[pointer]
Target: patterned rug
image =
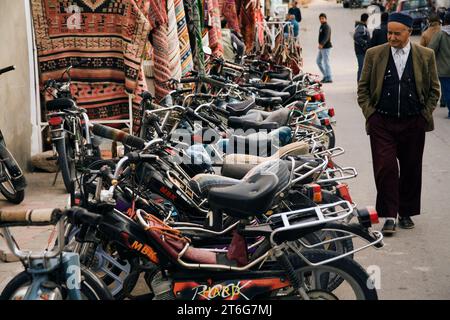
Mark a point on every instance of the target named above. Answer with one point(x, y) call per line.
point(187, 63)
point(107, 38)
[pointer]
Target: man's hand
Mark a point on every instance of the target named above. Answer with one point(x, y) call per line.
point(320, 46)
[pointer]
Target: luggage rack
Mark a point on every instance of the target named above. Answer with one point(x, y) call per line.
point(345, 210)
point(338, 174)
point(296, 176)
point(347, 234)
point(333, 152)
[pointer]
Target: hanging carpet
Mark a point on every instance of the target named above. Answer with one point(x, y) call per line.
point(107, 39)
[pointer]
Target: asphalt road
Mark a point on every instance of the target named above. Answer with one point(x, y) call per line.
point(414, 264)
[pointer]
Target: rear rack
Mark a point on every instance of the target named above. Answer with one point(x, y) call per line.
point(347, 234)
point(321, 216)
point(338, 174)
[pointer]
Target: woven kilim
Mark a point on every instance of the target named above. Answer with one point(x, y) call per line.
point(228, 9)
point(106, 38)
point(248, 22)
point(183, 38)
point(173, 42)
point(215, 31)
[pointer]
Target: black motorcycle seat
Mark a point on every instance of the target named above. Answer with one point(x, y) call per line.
point(280, 74)
point(60, 104)
point(292, 89)
point(268, 101)
point(252, 197)
point(239, 123)
point(202, 183)
point(273, 93)
point(240, 108)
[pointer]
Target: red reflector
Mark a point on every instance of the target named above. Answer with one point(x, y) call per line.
point(331, 112)
point(326, 122)
point(77, 201)
point(317, 97)
point(373, 214)
point(317, 190)
point(55, 121)
point(344, 192)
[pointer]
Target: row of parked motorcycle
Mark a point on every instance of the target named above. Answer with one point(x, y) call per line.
point(228, 188)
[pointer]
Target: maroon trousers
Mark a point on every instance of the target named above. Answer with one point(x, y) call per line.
point(397, 150)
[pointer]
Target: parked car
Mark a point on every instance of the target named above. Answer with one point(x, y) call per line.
point(356, 3)
point(419, 10)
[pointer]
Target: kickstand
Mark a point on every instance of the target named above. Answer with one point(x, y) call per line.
point(56, 177)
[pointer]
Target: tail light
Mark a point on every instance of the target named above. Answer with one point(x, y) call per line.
point(331, 112)
point(314, 192)
point(367, 216)
point(325, 122)
point(344, 192)
point(55, 121)
point(317, 97)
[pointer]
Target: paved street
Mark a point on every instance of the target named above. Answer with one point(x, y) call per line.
point(414, 264)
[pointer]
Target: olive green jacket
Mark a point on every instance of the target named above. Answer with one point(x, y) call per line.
point(371, 82)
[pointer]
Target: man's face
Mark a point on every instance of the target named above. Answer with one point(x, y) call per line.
point(398, 34)
point(323, 20)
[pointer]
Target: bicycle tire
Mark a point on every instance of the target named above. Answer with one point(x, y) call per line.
point(92, 288)
point(66, 166)
point(16, 196)
point(348, 268)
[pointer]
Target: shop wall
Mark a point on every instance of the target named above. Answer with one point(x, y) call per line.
point(15, 114)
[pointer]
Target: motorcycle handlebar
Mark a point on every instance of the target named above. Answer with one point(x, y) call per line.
point(118, 135)
point(7, 69)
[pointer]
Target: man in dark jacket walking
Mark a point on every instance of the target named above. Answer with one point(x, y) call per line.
point(398, 92)
point(361, 38)
point(379, 35)
point(295, 11)
point(440, 43)
point(323, 58)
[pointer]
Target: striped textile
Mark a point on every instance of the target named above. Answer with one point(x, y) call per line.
point(215, 31)
point(187, 63)
point(107, 38)
point(248, 22)
point(228, 9)
point(173, 42)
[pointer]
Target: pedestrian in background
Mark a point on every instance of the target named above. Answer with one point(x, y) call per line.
point(233, 45)
point(323, 58)
point(398, 92)
point(379, 35)
point(361, 39)
point(290, 18)
point(433, 28)
point(441, 46)
point(295, 10)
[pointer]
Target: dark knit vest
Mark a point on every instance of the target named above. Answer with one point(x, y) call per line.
point(399, 96)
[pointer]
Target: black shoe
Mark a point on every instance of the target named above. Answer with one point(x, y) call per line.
point(389, 227)
point(327, 81)
point(405, 223)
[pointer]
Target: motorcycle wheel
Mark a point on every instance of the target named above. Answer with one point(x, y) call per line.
point(66, 162)
point(92, 288)
point(356, 282)
point(7, 189)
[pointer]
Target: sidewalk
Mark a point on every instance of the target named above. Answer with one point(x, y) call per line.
point(39, 194)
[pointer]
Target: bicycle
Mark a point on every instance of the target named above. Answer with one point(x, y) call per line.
point(12, 180)
point(69, 129)
point(55, 274)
